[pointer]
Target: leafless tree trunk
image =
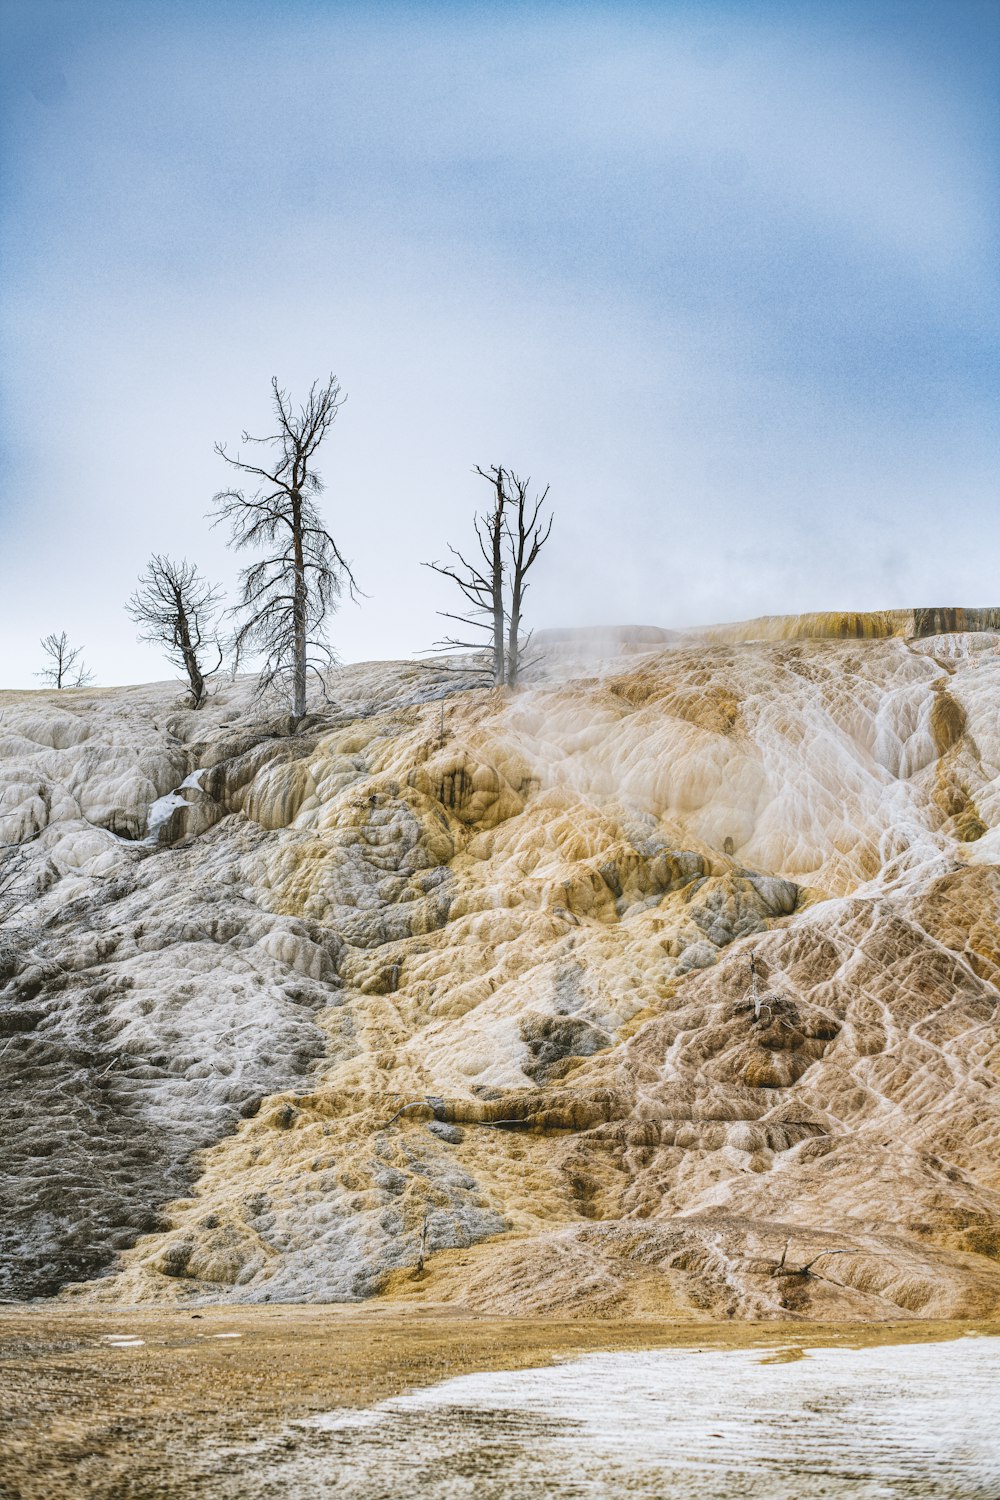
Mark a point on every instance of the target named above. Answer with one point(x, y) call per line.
point(287, 595)
point(174, 606)
point(525, 538)
point(781, 1269)
point(422, 1252)
point(65, 668)
point(482, 583)
point(510, 538)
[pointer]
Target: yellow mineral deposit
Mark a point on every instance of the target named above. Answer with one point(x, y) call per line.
point(473, 986)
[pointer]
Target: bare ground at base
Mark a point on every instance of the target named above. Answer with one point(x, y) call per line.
point(79, 1417)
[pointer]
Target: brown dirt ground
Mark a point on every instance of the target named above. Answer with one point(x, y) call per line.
point(81, 1418)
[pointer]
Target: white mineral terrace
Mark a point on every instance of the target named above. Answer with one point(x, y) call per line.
point(918, 1420)
point(471, 972)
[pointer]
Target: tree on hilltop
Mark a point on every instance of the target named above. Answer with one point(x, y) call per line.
point(287, 595)
point(65, 668)
point(526, 534)
point(510, 535)
point(481, 583)
point(175, 607)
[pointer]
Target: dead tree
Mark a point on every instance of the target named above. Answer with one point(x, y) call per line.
point(422, 1252)
point(805, 1270)
point(526, 536)
point(174, 607)
point(482, 583)
point(287, 595)
point(510, 537)
point(65, 669)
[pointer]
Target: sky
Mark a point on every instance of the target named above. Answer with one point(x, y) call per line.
point(724, 275)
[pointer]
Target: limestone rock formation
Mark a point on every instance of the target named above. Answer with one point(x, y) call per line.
point(465, 977)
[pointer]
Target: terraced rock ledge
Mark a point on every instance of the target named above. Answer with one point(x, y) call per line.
point(447, 997)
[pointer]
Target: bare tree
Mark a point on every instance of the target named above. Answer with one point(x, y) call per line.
point(174, 607)
point(65, 667)
point(510, 537)
point(525, 537)
point(481, 582)
point(287, 594)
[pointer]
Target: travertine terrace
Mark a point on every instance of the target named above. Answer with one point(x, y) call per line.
point(462, 977)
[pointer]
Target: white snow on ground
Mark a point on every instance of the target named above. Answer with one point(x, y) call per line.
point(917, 1420)
point(160, 812)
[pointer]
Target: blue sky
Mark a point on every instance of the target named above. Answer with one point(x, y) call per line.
point(723, 275)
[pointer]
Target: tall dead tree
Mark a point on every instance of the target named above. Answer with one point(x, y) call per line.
point(287, 595)
point(526, 536)
point(510, 536)
point(65, 668)
point(175, 607)
point(482, 583)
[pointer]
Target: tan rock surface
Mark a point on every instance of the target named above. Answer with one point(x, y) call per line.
point(468, 971)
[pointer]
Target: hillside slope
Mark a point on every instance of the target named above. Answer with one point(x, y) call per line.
point(472, 972)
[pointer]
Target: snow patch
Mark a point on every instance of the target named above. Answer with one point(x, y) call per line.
point(905, 1419)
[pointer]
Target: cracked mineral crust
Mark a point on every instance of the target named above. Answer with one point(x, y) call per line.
point(450, 977)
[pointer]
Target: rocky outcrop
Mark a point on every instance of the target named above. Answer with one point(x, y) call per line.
point(464, 977)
